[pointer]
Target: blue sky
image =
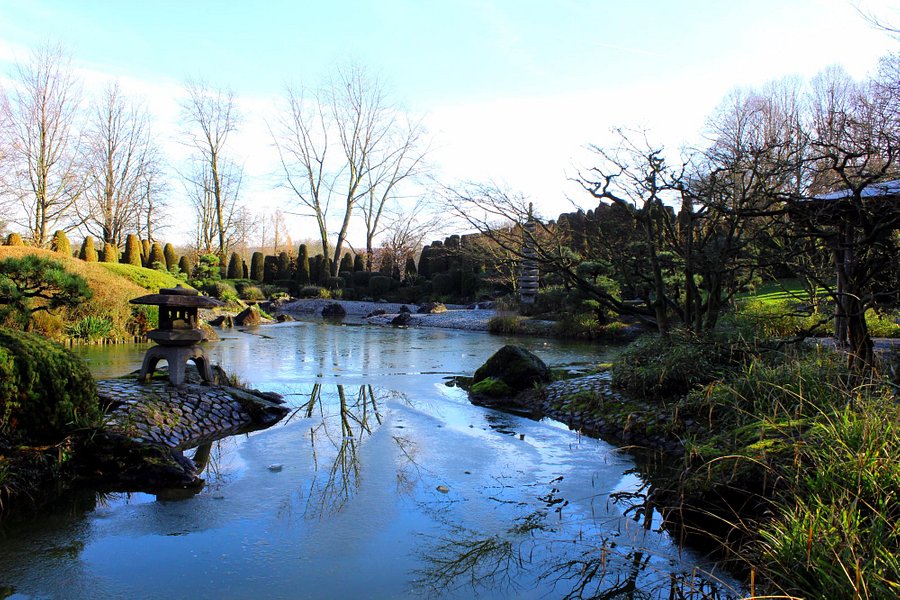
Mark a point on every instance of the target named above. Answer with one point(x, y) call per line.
point(509, 90)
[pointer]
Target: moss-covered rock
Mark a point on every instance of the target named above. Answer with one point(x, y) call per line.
point(492, 387)
point(516, 367)
point(45, 391)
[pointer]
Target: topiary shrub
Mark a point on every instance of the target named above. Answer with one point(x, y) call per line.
point(361, 279)
point(110, 253)
point(346, 263)
point(442, 284)
point(235, 266)
point(335, 283)
point(45, 391)
point(87, 252)
point(379, 285)
point(171, 257)
point(157, 258)
point(60, 243)
point(185, 266)
point(313, 291)
point(284, 266)
point(14, 239)
point(132, 255)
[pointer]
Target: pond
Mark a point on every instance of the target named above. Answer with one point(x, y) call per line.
point(383, 482)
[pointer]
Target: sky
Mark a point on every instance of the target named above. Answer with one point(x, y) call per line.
point(509, 91)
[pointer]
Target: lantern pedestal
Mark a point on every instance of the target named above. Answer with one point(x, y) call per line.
point(176, 357)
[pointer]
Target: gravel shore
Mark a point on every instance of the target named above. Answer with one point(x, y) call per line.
point(456, 317)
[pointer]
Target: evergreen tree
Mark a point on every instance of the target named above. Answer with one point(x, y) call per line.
point(132, 255)
point(60, 243)
point(346, 262)
point(410, 269)
point(171, 257)
point(235, 269)
point(424, 267)
point(303, 265)
point(245, 270)
point(257, 262)
point(87, 252)
point(110, 253)
point(157, 258)
point(284, 266)
point(145, 253)
point(358, 264)
point(14, 239)
point(185, 266)
point(270, 269)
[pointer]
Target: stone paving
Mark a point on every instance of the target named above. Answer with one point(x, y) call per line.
point(176, 417)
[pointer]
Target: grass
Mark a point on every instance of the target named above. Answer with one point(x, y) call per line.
point(811, 450)
point(149, 279)
point(112, 285)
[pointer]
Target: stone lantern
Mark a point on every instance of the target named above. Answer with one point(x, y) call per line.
point(178, 334)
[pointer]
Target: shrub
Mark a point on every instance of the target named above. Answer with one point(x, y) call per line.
point(270, 269)
point(235, 266)
point(251, 292)
point(87, 252)
point(132, 255)
point(346, 263)
point(303, 276)
point(110, 253)
point(335, 283)
point(358, 264)
point(185, 266)
point(14, 239)
point(60, 243)
point(656, 366)
point(24, 280)
point(442, 284)
point(314, 291)
point(284, 266)
point(157, 258)
point(45, 391)
point(223, 291)
point(145, 253)
point(171, 257)
point(505, 324)
point(361, 279)
point(379, 285)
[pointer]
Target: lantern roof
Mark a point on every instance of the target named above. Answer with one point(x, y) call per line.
point(178, 296)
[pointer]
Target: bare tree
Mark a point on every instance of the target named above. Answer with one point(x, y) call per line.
point(210, 116)
point(400, 159)
point(406, 230)
point(123, 164)
point(335, 143)
point(46, 177)
point(210, 212)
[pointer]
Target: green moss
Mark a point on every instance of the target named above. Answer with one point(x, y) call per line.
point(45, 391)
point(492, 387)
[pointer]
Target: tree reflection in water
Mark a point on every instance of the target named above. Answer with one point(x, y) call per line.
point(593, 565)
point(337, 477)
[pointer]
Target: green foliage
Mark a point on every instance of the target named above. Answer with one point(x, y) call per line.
point(303, 276)
point(185, 266)
point(45, 391)
point(60, 243)
point(410, 273)
point(91, 328)
point(492, 387)
point(222, 290)
point(150, 279)
point(87, 252)
point(157, 258)
point(33, 283)
point(132, 255)
point(284, 266)
point(505, 324)
point(314, 291)
point(14, 239)
point(358, 264)
point(379, 286)
point(171, 257)
point(361, 279)
point(235, 266)
point(270, 269)
point(110, 254)
point(442, 284)
point(145, 253)
point(335, 283)
point(346, 263)
point(250, 292)
point(657, 366)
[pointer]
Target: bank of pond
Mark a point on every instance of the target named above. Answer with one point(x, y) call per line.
point(712, 469)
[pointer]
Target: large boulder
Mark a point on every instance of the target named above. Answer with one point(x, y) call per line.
point(334, 310)
point(514, 366)
point(432, 308)
point(249, 317)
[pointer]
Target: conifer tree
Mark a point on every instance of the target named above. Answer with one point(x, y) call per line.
point(157, 258)
point(171, 257)
point(14, 239)
point(235, 270)
point(257, 264)
point(346, 263)
point(145, 253)
point(110, 253)
point(87, 252)
point(60, 243)
point(303, 275)
point(132, 255)
point(185, 266)
point(358, 264)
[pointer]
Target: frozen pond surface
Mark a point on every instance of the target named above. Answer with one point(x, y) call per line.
point(385, 482)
